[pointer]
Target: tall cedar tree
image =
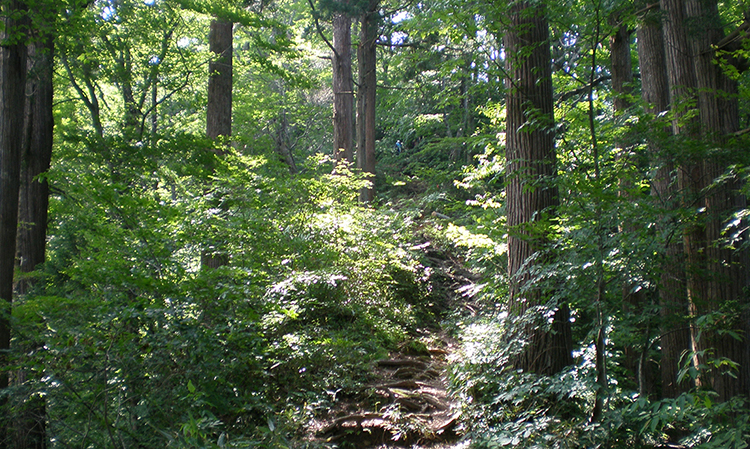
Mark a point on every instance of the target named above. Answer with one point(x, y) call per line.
point(622, 79)
point(721, 282)
point(366, 95)
point(219, 108)
point(531, 191)
point(674, 331)
point(343, 94)
point(34, 200)
point(716, 277)
point(12, 99)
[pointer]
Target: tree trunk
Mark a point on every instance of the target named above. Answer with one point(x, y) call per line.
point(633, 299)
point(282, 146)
point(531, 191)
point(343, 95)
point(716, 277)
point(219, 108)
point(12, 99)
point(366, 98)
point(32, 231)
point(724, 278)
point(674, 329)
point(689, 172)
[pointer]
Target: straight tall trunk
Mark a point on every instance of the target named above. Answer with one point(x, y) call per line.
point(343, 93)
point(36, 155)
point(12, 99)
point(674, 328)
point(724, 278)
point(366, 97)
point(219, 109)
point(622, 79)
point(716, 277)
point(530, 190)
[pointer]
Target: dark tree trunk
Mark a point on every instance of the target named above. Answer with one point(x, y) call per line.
point(531, 191)
point(622, 79)
point(716, 277)
point(724, 278)
point(282, 145)
point(343, 95)
point(366, 97)
point(674, 330)
point(219, 108)
point(36, 157)
point(12, 100)
point(689, 172)
point(32, 231)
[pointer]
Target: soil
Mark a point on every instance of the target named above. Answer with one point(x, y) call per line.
point(408, 404)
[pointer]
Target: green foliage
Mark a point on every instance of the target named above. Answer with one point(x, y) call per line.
point(142, 346)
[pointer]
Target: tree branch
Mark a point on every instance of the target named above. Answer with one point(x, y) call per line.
point(319, 29)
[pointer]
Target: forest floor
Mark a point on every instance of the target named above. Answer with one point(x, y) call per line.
point(407, 404)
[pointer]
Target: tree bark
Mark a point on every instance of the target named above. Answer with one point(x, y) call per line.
point(12, 99)
point(621, 68)
point(716, 277)
point(219, 108)
point(34, 200)
point(675, 329)
point(282, 145)
point(530, 190)
point(343, 95)
point(366, 98)
point(724, 278)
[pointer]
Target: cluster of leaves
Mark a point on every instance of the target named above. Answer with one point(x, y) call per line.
point(131, 342)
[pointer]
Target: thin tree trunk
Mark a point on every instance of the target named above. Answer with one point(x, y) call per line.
point(219, 109)
point(12, 99)
point(282, 147)
point(343, 94)
point(366, 99)
point(531, 191)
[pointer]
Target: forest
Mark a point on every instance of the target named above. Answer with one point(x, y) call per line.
point(443, 224)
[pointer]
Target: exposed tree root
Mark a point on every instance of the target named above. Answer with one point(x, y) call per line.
point(417, 406)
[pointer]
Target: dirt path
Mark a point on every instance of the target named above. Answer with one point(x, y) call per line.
point(408, 404)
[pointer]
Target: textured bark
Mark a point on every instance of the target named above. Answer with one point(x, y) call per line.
point(674, 329)
point(343, 95)
point(622, 79)
point(724, 277)
point(219, 108)
point(530, 191)
point(32, 231)
point(716, 277)
point(689, 171)
point(12, 75)
point(36, 157)
point(367, 59)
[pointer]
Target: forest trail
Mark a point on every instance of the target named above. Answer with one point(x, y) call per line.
point(407, 404)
